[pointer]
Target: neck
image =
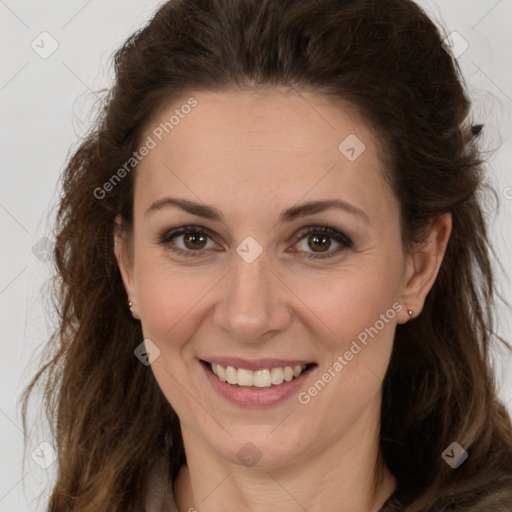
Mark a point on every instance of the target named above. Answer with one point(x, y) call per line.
point(349, 475)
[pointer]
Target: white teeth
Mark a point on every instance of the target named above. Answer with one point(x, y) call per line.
point(276, 376)
point(245, 377)
point(288, 373)
point(231, 375)
point(260, 378)
point(221, 373)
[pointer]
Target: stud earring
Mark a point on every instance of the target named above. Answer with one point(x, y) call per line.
point(410, 313)
point(130, 304)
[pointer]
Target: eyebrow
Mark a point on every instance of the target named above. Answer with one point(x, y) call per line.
point(288, 215)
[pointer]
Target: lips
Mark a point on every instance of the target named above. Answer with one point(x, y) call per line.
point(261, 392)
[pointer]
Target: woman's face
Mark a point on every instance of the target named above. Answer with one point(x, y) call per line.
point(250, 287)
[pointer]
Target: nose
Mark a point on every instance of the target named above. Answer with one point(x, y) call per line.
point(253, 302)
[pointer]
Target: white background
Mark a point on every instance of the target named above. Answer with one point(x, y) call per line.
point(44, 105)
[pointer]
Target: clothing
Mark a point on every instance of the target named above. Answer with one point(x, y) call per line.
point(160, 497)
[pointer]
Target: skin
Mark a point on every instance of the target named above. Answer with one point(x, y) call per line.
point(252, 155)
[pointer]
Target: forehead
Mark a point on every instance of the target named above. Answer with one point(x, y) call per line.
point(273, 145)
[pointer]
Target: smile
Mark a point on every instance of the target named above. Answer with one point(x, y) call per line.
point(256, 383)
point(265, 377)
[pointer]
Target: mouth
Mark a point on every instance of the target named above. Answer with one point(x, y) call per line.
point(262, 378)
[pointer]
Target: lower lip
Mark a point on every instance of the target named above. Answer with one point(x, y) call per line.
point(255, 397)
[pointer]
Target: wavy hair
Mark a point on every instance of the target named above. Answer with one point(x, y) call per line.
point(110, 421)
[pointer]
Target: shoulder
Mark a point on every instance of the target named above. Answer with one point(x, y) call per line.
point(480, 499)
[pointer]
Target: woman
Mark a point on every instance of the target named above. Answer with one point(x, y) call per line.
point(275, 286)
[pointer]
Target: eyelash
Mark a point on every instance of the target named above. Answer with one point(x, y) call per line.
point(345, 242)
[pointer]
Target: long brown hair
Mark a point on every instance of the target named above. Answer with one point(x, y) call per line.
point(110, 420)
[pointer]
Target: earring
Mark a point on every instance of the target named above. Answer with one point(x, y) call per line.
point(409, 311)
point(130, 304)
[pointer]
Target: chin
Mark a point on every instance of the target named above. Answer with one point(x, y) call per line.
point(260, 447)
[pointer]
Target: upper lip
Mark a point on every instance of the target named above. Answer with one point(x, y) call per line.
point(255, 364)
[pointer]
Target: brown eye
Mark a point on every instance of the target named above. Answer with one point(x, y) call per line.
point(319, 239)
point(187, 240)
point(319, 243)
point(194, 240)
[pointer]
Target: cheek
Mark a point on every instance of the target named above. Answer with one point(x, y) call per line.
point(170, 300)
point(162, 302)
point(360, 311)
point(353, 327)
point(348, 301)
point(170, 305)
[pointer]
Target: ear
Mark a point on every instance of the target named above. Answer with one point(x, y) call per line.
point(422, 266)
point(124, 255)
